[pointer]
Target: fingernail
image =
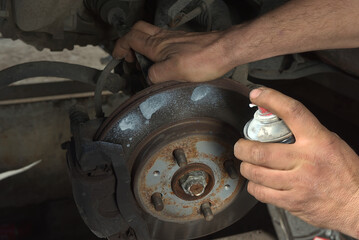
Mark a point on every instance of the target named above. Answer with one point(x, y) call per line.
point(255, 93)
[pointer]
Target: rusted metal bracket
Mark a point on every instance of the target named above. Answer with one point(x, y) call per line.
point(98, 171)
point(125, 199)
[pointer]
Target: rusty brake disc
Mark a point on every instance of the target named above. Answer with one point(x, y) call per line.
point(178, 141)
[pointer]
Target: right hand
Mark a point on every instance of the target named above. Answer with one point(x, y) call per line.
point(316, 178)
point(178, 55)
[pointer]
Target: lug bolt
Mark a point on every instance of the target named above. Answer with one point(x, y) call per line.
point(230, 169)
point(206, 211)
point(157, 202)
point(180, 157)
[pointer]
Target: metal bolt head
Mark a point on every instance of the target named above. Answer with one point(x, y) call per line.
point(194, 183)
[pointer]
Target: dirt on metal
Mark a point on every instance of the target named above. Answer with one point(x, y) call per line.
point(177, 188)
point(173, 195)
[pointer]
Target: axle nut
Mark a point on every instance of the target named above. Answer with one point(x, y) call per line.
point(194, 183)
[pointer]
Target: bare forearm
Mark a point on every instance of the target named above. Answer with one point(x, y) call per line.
point(298, 26)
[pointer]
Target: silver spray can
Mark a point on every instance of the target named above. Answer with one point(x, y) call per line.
point(267, 127)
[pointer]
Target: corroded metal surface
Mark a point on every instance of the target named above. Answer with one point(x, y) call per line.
point(195, 180)
point(168, 116)
point(204, 153)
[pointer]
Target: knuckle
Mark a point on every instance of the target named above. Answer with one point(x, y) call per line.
point(237, 148)
point(256, 174)
point(138, 24)
point(294, 202)
point(293, 205)
point(254, 190)
point(291, 155)
point(258, 154)
point(296, 108)
point(165, 33)
point(152, 43)
point(152, 75)
point(301, 201)
point(179, 61)
point(331, 140)
point(331, 151)
point(294, 179)
point(180, 65)
point(243, 169)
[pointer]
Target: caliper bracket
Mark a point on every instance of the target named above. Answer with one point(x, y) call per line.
point(101, 184)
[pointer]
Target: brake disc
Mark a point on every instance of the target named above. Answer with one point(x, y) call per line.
point(178, 141)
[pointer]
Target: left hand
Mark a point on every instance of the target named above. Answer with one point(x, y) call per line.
point(316, 178)
point(178, 55)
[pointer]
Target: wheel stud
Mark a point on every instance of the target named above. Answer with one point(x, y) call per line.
point(207, 211)
point(157, 202)
point(230, 169)
point(180, 157)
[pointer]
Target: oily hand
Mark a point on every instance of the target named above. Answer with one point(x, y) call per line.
point(177, 55)
point(316, 178)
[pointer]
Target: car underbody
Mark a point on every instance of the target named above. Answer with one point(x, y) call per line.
point(160, 165)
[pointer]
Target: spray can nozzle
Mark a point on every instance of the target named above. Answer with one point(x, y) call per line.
point(262, 111)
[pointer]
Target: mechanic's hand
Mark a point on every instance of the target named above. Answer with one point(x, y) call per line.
point(178, 55)
point(316, 178)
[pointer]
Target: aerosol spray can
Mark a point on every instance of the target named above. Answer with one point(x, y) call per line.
point(267, 127)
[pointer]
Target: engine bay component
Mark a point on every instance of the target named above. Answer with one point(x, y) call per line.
point(120, 14)
point(63, 24)
point(176, 143)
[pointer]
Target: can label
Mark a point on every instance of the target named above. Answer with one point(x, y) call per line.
point(267, 127)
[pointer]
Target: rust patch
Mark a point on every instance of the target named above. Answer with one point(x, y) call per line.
point(177, 188)
point(181, 207)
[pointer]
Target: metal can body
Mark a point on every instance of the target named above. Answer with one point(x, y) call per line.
point(267, 127)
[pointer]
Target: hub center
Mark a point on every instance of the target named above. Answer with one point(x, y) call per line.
point(193, 181)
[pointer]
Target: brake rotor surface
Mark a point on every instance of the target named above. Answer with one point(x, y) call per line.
point(178, 141)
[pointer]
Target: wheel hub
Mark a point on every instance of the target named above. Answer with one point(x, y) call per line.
point(203, 178)
point(193, 183)
point(178, 141)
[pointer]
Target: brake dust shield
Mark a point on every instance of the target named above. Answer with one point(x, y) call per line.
point(178, 141)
